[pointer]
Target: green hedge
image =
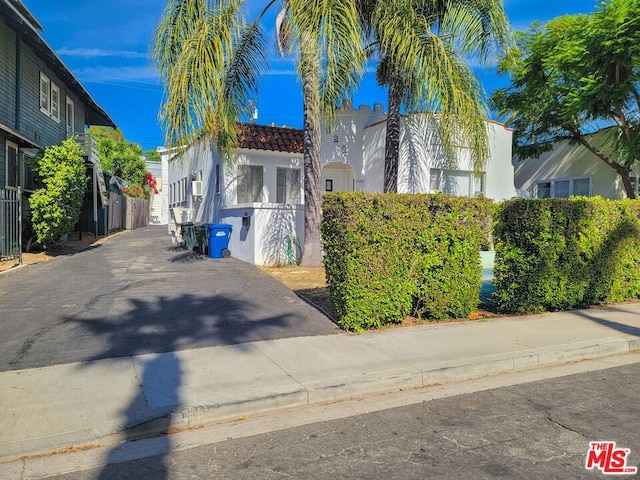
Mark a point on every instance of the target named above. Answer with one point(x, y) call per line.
point(392, 255)
point(55, 207)
point(564, 254)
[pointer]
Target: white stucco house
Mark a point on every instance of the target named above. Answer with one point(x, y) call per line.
point(260, 191)
point(571, 169)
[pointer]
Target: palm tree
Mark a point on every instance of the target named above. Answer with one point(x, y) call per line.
point(422, 45)
point(211, 60)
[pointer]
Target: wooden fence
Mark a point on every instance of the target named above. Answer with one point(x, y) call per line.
point(127, 212)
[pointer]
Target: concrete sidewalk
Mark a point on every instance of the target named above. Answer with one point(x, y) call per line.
point(50, 408)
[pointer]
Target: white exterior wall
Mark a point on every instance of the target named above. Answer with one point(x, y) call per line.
point(262, 232)
point(270, 161)
point(499, 177)
point(195, 164)
point(373, 157)
point(259, 239)
point(570, 161)
point(268, 225)
point(350, 128)
point(421, 150)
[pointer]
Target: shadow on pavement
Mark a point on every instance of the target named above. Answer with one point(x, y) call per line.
point(620, 327)
point(162, 327)
point(188, 257)
point(170, 324)
point(169, 367)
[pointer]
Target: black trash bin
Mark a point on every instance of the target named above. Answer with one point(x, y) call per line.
point(202, 237)
point(188, 232)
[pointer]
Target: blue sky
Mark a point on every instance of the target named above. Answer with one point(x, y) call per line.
point(106, 45)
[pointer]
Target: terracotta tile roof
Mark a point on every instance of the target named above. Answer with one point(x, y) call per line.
point(275, 139)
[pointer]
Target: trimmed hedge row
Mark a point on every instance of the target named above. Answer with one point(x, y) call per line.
point(565, 254)
point(392, 255)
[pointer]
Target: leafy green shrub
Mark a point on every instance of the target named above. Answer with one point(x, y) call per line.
point(56, 206)
point(563, 254)
point(392, 255)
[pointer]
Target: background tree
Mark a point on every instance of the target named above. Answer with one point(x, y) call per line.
point(423, 47)
point(55, 206)
point(152, 156)
point(211, 58)
point(572, 76)
point(120, 157)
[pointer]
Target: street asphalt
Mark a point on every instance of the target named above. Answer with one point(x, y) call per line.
point(535, 430)
point(136, 338)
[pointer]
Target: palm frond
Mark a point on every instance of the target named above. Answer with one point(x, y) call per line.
point(425, 44)
point(337, 37)
point(246, 66)
point(211, 60)
point(195, 83)
point(283, 32)
point(479, 28)
point(177, 24)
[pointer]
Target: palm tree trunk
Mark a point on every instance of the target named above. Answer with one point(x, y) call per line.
point(312, 252)
point(392, 140)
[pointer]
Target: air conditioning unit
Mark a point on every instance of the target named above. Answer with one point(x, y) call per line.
point(196, 188)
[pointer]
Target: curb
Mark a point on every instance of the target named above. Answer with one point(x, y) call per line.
point(183, 417)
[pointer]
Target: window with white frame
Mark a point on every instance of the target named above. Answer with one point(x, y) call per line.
point(288, 185)
point(12, 165)
point(250, 183)
point(50, 98)
point(70, 117)
point(456, 182)
point(55, 102)
point(563, 187)
point(45, 94)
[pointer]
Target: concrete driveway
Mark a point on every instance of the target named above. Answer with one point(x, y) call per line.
point(137, 293)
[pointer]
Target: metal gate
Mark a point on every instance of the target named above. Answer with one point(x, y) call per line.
point(10, 225)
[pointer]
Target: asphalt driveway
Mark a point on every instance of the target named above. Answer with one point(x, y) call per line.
point(137, 293)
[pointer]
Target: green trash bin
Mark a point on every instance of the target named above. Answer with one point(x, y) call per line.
point(202, 237)
point(188, 232)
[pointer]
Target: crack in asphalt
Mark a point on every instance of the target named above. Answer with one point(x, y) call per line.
point(561, 425)
point(28, 344)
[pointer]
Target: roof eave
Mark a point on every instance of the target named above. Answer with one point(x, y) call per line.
point(24, 20)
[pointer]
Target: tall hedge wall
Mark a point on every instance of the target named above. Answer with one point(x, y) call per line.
point(565, 254)
point(392, 255)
